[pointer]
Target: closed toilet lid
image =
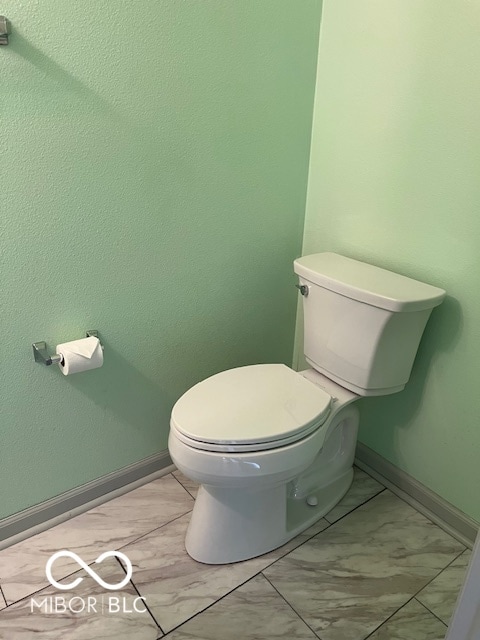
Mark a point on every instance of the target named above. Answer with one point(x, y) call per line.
point(251, 405)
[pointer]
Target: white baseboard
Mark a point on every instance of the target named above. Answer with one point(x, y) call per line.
point(430, 504)
point(45, 515)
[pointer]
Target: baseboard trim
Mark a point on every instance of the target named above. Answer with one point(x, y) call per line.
point(47, 514)
point(448, 517)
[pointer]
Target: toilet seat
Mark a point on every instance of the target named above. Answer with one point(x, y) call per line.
point(253, 408)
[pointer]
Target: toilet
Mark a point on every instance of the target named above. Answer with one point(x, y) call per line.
point(273, 448)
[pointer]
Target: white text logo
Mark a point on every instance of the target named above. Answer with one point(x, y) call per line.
point(89, 570)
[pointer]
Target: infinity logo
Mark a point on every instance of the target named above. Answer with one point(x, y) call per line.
point(95, 576)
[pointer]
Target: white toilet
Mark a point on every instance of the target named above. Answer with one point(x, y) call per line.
point(273, 449)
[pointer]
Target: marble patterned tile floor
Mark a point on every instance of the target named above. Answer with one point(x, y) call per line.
point(371, 568)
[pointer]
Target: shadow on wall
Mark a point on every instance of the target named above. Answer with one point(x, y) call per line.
point(124, 391)
point(53, 72)
point(65, 92)
point(382, 413)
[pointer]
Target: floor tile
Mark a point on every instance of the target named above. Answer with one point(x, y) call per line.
point(411, 622)
point(190, 485)
point(178, 587)
point(252, 611)
point(351, 577)
point(440, 596)
point(363, 488)
point(106, 527)
point(107, 619)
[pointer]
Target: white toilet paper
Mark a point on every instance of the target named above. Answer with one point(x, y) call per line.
point(80, 355)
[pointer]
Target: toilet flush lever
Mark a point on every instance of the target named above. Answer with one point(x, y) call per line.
point(303, 289)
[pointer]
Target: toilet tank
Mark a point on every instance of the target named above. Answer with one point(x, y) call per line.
point(362, 324)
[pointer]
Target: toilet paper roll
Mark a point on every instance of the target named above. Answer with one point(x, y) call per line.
point(80, 355)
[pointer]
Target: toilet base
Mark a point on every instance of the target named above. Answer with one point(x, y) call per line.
point(301, 515)
point(251, 523)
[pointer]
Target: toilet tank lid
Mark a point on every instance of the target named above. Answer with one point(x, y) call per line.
point(367, 283)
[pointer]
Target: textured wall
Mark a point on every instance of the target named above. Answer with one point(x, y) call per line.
point(394, 180)
point(154, 161)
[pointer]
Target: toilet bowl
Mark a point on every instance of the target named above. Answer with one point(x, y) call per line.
point(247, 436)
point(272, 448)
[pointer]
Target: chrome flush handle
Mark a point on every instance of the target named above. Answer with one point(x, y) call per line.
point(303, 289)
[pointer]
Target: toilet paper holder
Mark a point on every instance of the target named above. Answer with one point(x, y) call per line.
point(41, 355)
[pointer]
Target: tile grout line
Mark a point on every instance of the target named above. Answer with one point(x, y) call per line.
point(211, 605)
point(182, 485)
point(154, 529)
point(395, 613)
point(389, 618)
point(429, 611)
point(430, 581)
point(290, 606)
point(442, 570)
point(33, 593)
point(414, 597)
point(143, 599)
point(215, 602)
point(3, 596)
point(354, 508)
point(242, 584)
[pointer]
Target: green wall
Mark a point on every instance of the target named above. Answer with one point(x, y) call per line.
point(394, 180)
point(154, 168)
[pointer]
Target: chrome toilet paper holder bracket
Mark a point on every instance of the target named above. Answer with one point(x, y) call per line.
point(40, 352)
point(5, 30)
